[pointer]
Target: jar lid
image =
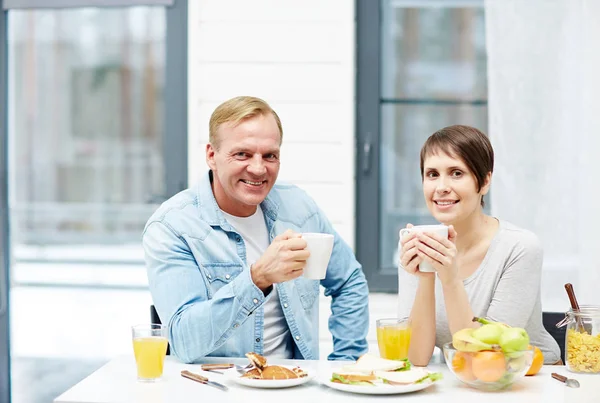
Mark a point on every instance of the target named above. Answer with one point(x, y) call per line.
point(584, 311)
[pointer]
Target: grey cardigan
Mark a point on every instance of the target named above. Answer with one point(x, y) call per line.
point(506, 287)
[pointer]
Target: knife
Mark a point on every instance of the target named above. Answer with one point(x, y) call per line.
point(215, 367)
point(201, 379)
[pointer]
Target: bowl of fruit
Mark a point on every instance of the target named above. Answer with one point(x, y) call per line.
point(491, 357)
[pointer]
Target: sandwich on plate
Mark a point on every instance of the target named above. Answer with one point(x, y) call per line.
point(370, 370)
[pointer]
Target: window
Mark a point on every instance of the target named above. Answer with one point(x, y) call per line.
point(431, 69)
point(88, 95)
point(86, 101)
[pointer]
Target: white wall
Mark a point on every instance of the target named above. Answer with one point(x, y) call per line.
point(544, 80)
point(298, 55)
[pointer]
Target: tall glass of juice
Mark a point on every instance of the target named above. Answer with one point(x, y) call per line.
point(150, 348)
point(393, 338)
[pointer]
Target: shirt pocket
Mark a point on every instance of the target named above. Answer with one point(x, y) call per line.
point(219, 274)
point(308, 291)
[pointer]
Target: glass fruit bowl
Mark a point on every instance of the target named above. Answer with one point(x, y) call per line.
point(488, 370)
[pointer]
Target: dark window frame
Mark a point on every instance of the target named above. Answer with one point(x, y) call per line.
point(4, 222)
point(368, 95)
point(38, 4)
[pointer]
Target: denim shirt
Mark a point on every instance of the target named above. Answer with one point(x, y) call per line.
point(202, 288)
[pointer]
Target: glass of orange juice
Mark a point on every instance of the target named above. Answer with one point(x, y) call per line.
point(150, 348)
point(393, 338)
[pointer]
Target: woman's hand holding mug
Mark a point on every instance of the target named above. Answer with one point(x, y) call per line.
point(438, 252)
point(428, 249)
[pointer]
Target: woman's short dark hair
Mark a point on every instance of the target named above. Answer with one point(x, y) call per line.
point(467, 143)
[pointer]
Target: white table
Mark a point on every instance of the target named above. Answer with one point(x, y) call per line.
point(116, 382)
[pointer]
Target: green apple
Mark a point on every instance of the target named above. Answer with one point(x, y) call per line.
point(514, 339)
point(489, 333)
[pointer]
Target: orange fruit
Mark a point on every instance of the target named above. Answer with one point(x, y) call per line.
point(538, 361)
point(461, 364)
point(488, 366)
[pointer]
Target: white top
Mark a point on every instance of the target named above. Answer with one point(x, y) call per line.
point(116, 382)
point(504, 288)
point(277, 340)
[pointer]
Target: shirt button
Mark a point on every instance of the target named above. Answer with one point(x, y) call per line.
point(285, 305)
point(297, 337)
point(227, 276)
point(258, 339)
point(255, 301)
point(209, 276)
point(236, 325)
point(237, 238)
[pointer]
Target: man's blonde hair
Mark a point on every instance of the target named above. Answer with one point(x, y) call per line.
point(235, 111)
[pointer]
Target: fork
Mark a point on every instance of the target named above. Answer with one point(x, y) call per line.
point(243, 370)
point(217, 367)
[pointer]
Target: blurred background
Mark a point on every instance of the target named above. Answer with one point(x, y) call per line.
point(105, 113)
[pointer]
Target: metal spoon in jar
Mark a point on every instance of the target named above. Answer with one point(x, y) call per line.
point(570, 382)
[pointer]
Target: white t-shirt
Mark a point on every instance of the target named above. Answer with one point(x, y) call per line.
point(277, 340)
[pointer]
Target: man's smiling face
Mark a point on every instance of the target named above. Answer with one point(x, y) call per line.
point(245, 163)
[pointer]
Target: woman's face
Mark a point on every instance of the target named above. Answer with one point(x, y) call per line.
point(450, 188)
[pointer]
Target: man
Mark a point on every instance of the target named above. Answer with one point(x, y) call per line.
point(225, 258)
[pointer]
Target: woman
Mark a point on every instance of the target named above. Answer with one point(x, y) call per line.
point(486, 267)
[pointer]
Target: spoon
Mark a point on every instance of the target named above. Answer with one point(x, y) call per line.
point(570, 382)
point(575, 307)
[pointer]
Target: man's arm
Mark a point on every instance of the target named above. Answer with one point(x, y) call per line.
point(346, 284)
point(197, 325)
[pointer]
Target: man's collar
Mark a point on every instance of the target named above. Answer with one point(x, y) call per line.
point(209, 208)
point(207, 204)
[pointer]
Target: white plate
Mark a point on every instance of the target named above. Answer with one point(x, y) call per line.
point(268, 383)
point(378, 389)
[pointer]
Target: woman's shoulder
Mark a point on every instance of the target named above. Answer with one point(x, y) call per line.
point(518, 238)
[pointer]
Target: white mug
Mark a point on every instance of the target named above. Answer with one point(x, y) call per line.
point(320, 247)
point(441, 230)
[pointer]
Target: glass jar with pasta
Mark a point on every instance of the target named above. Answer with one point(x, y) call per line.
point(583, 339)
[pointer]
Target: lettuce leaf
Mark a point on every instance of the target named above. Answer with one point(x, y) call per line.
point(340, 378)
point(407, 365)
point(434, 376)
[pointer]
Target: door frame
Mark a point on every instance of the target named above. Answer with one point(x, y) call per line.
point(174, 141)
